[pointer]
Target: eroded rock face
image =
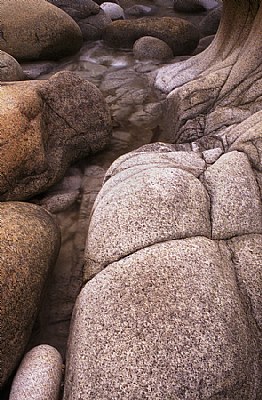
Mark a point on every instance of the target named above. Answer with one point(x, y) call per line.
point(10, 70)
point(39, 375)
point(29, 246)
point(39, 31)
point(180, 35)
point(46, 126)
point(221, 87)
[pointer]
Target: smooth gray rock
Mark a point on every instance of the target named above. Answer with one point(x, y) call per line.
point(114, 11)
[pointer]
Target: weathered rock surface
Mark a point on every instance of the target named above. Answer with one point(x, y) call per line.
point(167, 322)
point(39, 31)
point(236, 204)
point(46, 126)
point(180, 35)
point(221, 87)
point(29, 246)
point(10, 70)
point(149, 47)
point(39, 375)
point(149, 200)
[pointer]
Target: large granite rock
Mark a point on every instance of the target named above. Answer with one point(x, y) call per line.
point(45, 126)
point(10, 70)
point(179, 34)
point(29, 245)
point(39, 375)
point(38, 31)
point(176, 311)
point(148, 199)
point(166, 322)
point(179, 317)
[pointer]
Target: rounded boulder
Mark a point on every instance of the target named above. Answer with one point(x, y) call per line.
point(39, 375)
point(45, 127)
point(38, 31)
point(10, 70)
point(152, 48)
point(180, 35)
point(29, 245)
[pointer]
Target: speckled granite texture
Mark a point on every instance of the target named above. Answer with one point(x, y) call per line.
point(29, 245)
point(177, 315)
point(39, 375)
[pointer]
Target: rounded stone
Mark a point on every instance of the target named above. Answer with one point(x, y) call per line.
point(181, 36)
point(149, 47)
point(10, 70)
point(39, 30)
point(47, 125)
point(39, 375)
point(77, 9)
point(93, 27)
point(29, 245)
point(209, 24)
point(114, 11)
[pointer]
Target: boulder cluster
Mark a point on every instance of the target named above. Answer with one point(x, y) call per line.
point(170, 303)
